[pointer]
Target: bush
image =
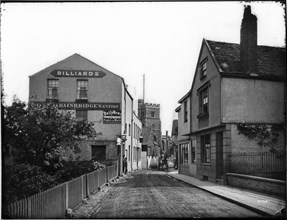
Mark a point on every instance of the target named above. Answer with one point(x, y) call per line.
point(24, 180)
point(74, 169)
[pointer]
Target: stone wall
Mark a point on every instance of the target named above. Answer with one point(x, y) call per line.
point(260, 184)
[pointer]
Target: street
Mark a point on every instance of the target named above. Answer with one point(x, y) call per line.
point(153, 194)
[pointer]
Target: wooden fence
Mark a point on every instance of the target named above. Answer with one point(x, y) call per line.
point(263, 164)
point(53, 202)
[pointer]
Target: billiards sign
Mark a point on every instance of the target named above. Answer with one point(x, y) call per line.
point(78, 73)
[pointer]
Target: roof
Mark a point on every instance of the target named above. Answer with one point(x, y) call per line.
point(72, 60)
point(178, 109)
point(271, 60)
point(184, 97)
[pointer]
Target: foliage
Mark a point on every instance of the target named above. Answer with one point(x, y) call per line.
point(74, 169)
point(38, 135)
point(24, 180)
point(265, 135)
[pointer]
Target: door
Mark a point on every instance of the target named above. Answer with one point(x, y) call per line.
point(219, 155)
point(99, 152)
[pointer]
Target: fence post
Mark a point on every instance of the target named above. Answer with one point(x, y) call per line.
point(82, 182)
point(29, 207)
point(87, 186)
point(67, 194)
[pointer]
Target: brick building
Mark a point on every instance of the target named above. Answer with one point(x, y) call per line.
point(92, 93)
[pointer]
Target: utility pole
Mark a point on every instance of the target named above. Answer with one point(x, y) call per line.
point(143, 87)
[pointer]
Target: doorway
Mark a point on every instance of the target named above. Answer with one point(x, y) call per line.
point(219, 155)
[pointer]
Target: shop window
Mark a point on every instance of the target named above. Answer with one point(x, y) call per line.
point(82, 114)
point(53, 86)
point(193, 146)
point(183, 154)
point(205, 149)
point(82, 89)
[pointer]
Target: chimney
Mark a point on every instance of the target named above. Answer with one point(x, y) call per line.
point(248, 42)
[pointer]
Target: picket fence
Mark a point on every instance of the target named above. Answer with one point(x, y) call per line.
point(53, 202)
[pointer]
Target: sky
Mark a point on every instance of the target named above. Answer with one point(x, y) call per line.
point(158, 39)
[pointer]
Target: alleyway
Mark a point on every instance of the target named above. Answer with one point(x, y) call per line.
point(152, 194)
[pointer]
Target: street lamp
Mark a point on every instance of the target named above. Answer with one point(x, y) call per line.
point(141, 139)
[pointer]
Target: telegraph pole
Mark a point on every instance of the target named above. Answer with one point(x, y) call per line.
point(143, 87)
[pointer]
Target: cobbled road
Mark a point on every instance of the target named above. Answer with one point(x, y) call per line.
point(153, 194)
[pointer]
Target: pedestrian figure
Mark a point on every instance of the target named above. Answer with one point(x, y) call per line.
point(125, 162)
point(165, 161)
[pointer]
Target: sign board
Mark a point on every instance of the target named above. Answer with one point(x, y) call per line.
point(112, 116)
point(81, 106)
point(78, 73)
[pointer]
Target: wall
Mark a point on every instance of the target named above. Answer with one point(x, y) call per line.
point(183, 127)
point(259, 184)
point(106, 89)
point(213, 77)
point(137, 131)
point(150, 121)
point(128, 146)
point(260, 101)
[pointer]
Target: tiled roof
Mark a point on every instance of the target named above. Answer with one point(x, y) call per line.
point(271, 60)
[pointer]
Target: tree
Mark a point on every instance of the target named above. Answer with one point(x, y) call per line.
point(37, 136)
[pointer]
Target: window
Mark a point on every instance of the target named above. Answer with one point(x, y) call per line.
point(135, 154)
point(205, 148)
point(193, 151)
point(184, 154)
point(134, 130)
point(129, 130)
point(82, 89)
point(152, 114)
point(203, 67)
point(53, 85)
point(203, 101)
point(185, 111)
point(82, 115)
point(129, 153)
point(125, 132)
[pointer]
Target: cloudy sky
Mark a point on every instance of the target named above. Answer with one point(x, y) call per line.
point(158, 39)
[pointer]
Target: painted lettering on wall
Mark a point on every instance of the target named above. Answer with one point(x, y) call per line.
point(83, 106)
point(78, 73)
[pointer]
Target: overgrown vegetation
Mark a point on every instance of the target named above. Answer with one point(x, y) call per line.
point(37, 139)
point(265, 135)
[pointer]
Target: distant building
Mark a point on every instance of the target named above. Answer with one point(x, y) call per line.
point(149, 115)
point(233, 84)
point(95, 94)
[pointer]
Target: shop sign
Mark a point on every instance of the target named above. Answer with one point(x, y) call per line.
point(78, 73)
point(81, 106)
point(112, 117)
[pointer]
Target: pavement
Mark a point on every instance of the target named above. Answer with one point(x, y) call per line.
point(265, 204)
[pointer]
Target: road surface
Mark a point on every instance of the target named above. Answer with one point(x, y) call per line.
point(153, 194)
